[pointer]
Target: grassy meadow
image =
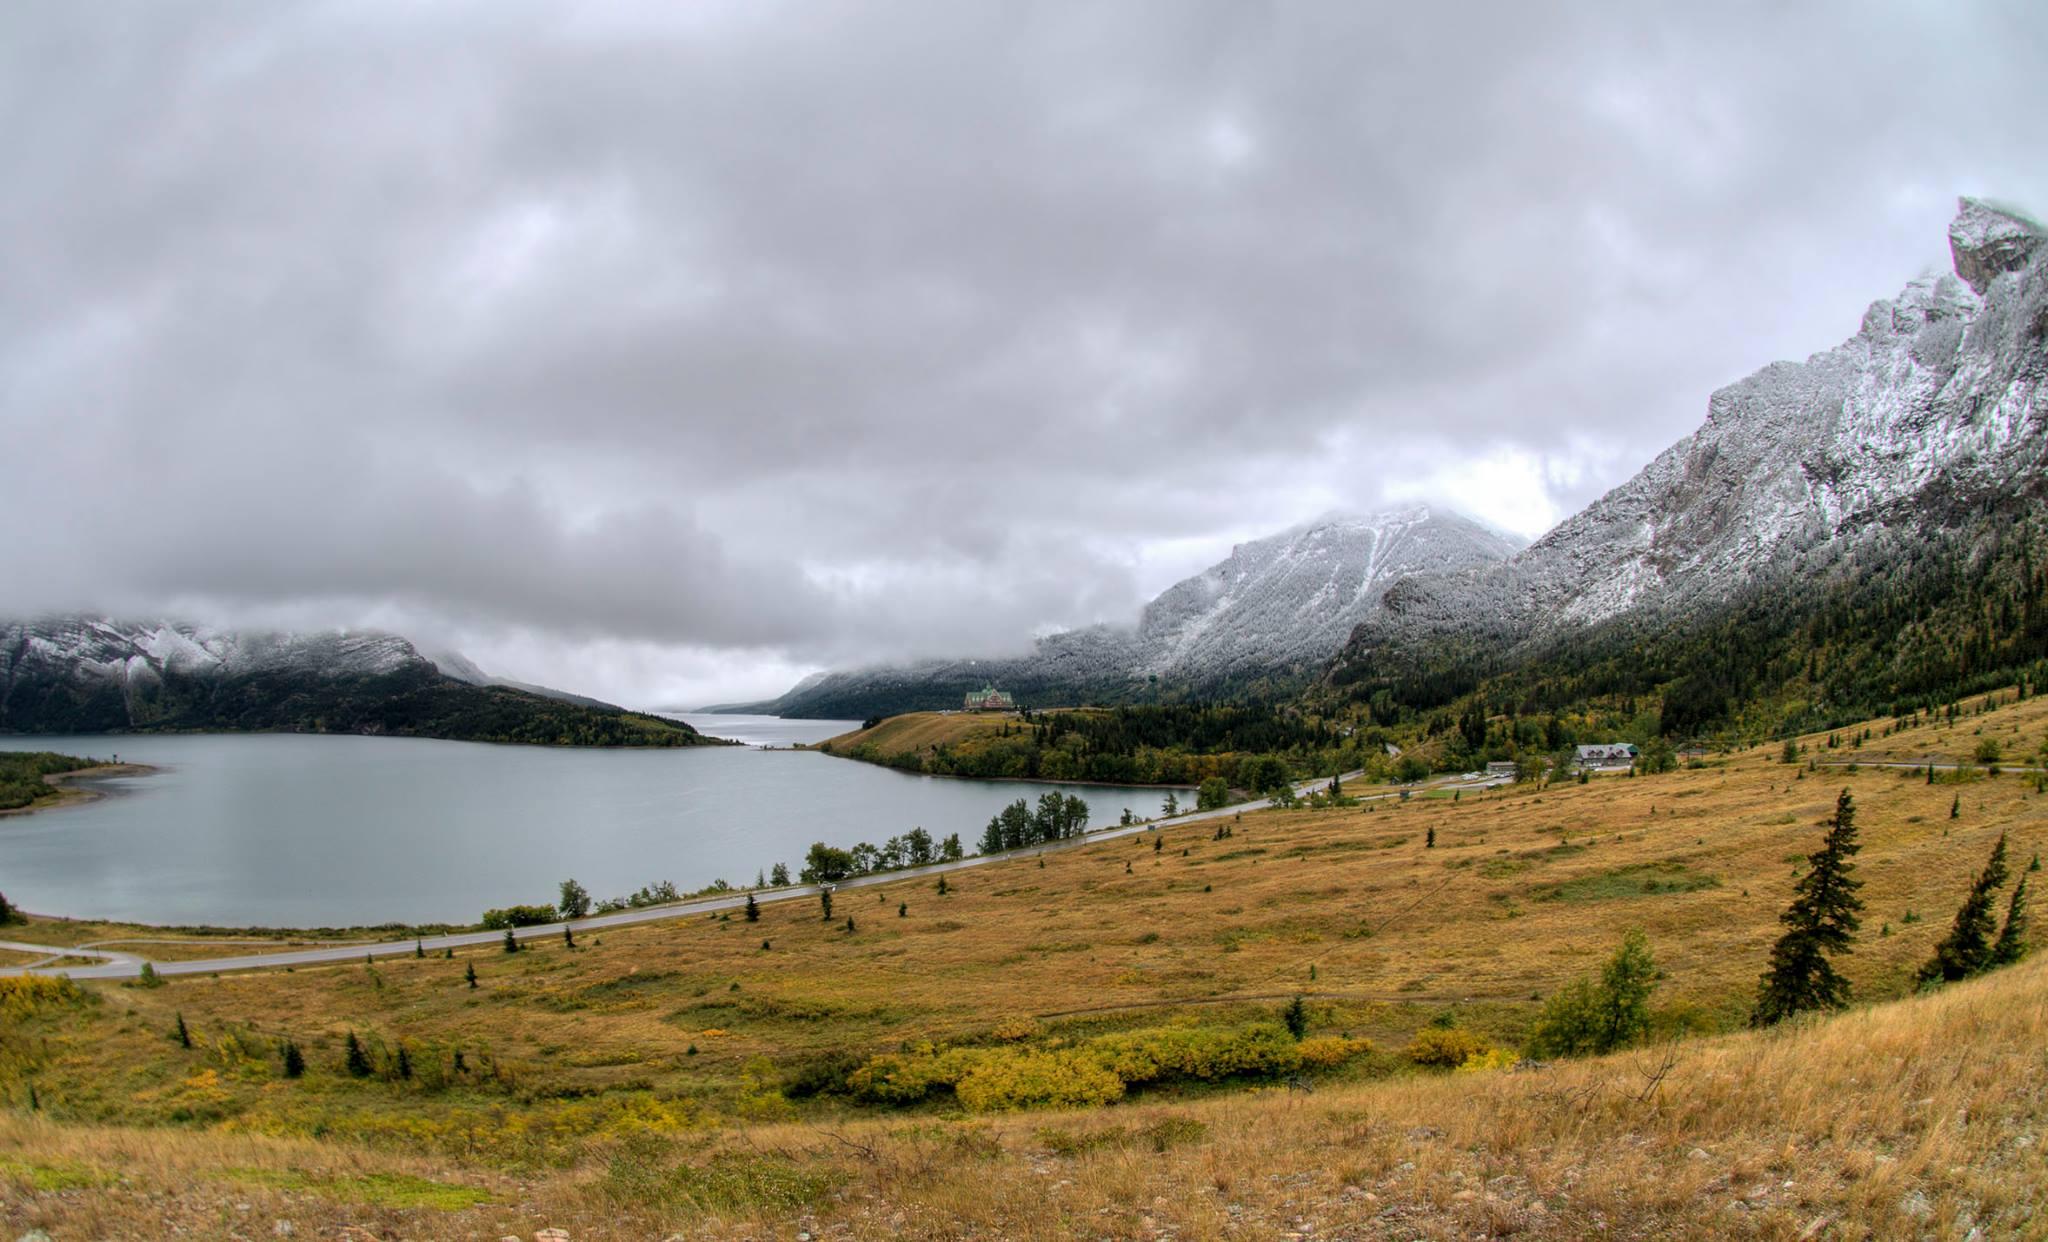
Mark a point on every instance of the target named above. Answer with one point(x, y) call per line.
point(706, 1075)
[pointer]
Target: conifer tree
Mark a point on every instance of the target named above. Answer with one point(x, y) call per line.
point(1820, 922)
point(753, 909)
point(942, 886)
point(902, 909)
point(1429, 842)
point(2012, 938)
point(294, 1060)
point(568, 936)
point(825, 900)
point(469, 973)
point(358, 1061)
point(1295, 1017)
point(419, 949)
point(184, 1037)
point(404, 1064)
point(6, 910)
point(849, 923)
point(1966, 950)
point(778, 875)
point(511, 942)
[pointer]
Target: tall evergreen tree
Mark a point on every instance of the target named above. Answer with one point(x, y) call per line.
point(753, 909)
point(294, 1060)
point(1966, 950)
point(469, 973)
point(183, 1036)
point(2012, 938)
point(1820, 922)
point(825, 900)
point(358, 1061)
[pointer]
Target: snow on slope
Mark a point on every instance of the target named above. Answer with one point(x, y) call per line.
point(1932, 407)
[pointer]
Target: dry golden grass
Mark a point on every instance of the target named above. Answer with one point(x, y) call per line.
point(1920, 1118)
point(921, 731)
point(583, 1077)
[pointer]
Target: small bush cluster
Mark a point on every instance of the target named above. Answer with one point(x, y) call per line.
point(1097, 1071)
point(1445, 1047)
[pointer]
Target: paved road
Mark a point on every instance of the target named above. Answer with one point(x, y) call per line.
point(128, 966)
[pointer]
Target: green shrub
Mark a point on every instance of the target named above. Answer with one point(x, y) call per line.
point(1592, 1016)
point(518, 916)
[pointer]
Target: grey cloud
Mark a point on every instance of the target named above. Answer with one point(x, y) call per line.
point(775, 334)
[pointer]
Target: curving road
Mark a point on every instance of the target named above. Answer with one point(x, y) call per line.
point(127, 965)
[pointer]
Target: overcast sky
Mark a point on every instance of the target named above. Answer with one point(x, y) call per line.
point(667, 351)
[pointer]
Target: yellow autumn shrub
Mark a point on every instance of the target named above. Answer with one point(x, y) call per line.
point(1330, 1051)
point(999, 1081)
point(1444, 1047)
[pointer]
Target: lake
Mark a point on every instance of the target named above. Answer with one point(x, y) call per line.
point(294, 830)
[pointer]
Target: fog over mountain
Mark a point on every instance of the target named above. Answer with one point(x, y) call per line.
point(667, 353)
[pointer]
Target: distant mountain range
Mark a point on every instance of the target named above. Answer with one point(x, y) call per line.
point(83, 674)
point(1842, 534)
point(1265, 621)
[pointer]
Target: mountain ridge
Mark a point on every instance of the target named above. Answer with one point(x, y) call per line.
point(88, 674)
point(1924, 425)
point(1264, 621)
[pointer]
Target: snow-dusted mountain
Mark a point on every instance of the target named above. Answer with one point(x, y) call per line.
point(1268, 617)
point(1928, 417)
point(95, 674)
point(1290, 599)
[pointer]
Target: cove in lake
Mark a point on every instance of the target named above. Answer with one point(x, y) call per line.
point(290, 830)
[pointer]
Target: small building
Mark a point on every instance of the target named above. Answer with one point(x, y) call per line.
point(1606, 755)
point(1692, 754)
point(990, 699)
point(1501, 767)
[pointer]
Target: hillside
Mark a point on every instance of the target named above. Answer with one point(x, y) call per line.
point(1261, 623)
point(704, 1075)
point(1148, 744)
point(1856, 534)
point(93, 675)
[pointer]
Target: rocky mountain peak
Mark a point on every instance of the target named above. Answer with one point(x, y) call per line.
point(1988, 240)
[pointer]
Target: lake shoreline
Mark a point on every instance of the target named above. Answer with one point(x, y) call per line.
point(986, 780)
point(302, 832)
point(69, 795)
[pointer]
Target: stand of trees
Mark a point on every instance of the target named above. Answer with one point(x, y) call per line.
point(1017, 825)
point(824, 864)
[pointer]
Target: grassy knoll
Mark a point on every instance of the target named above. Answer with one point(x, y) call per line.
point(681, 1075)
point(922, 731)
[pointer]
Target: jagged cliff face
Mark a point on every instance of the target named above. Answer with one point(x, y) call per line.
point(1931, 411)
point(1269, 616)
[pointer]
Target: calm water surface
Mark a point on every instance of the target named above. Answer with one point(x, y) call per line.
point(299, 831)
